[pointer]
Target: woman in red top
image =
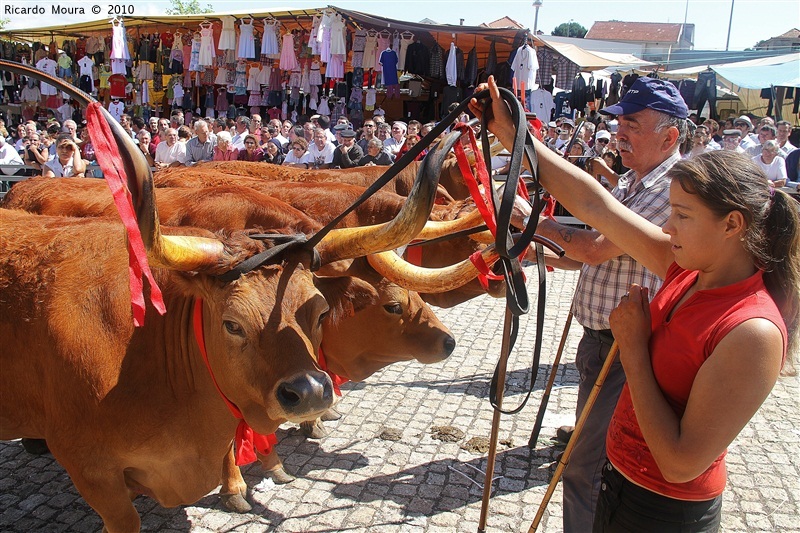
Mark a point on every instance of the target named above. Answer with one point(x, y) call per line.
point(703, 356)
point(224, 150)
point(411, 141)
point(251, 152)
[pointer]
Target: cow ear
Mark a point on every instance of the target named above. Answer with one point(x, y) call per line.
point(346, 295)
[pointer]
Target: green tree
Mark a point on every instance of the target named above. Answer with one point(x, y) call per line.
point(569, 29)
point(188, 7)
point(3, 23)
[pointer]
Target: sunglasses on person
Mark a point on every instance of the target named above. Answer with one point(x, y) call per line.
point(249, 142)
point(603, 141)
point(298, 148)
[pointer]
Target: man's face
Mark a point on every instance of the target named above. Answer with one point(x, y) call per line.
point(551, 132)
point(373, 150)
point(286, 128)
point(124, 121)
point(265, 136)
point(768, 155)
point(641, 147)
point(731, 142)
point(30, 129)
point(741, 126)
point(413, 129)
point(764, 136)
point(172, 136)
point(342, 120)
point(202, 132)
point(144, 137)
point(240, 126)
point(308, 131)
point(783, 133)
point(255, 123)
point(163, 125)
point(347, 142)
point(71, 129)
point(153, 123)
point(398, 132)
point(383, 133)
point(369, 129)
point(320, 139)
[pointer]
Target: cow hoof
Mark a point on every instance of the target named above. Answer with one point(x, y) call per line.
point(330, 415)
point(280, 476)
point(35, 446)
point(236, 503)
point(313, 430)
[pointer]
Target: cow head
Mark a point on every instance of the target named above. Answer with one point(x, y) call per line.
point(385, 324)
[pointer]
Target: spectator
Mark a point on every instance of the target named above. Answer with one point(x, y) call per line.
point(348, 153)
point(68, 162)
point(699, 143)
point(324, 122)
point(255, 124)
point(410, 142)
point(9, 156)
point(71, 128)
point(200, 147)
point(251, 152)
point(601, 140)
point(170, 153)
point(732, 140)
point(34, 154)
point(394, 143)
point(144, 146)
point(163, 126)
point(153, 124)
point(715, 139)
point(766, 132)
point(772, 165)
point(184, 134)
point(285, 128)
point(375, 155)
point(273, 154)
point(137, 124)
point(321, 152)
point(87, 148)
point(224, 150)
point(176, 120)
point(744, 125)
point(298, 156)
point(414, 127)
point(367, 134)
point(426, 129)
point(242, 127)
point(296, 132)
point(218, 125)
point(383, 133)
point(588, 133)
point(784, 129)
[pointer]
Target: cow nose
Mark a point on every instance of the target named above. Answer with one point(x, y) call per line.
point(449, 345)
point(306, 394)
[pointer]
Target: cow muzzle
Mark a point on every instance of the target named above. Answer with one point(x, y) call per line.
point(305, 396)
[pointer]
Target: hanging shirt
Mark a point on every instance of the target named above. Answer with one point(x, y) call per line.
point(525, 66)
point(451, 69)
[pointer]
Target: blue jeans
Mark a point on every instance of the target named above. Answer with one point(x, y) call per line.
point(626, 507)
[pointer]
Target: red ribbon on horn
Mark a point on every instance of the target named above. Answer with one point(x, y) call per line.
point(108, 157)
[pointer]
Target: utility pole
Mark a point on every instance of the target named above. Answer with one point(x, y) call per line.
point(730, 21)
point(537, 4)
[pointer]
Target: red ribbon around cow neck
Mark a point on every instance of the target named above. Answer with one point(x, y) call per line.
point(247, 441)
point(336, 379)
point(109, 159)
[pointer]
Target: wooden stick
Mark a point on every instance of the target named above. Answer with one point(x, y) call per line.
point(562, 463)
point(501, 379)
point(537, 427)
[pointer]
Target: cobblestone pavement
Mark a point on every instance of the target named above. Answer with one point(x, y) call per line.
point(354, 481)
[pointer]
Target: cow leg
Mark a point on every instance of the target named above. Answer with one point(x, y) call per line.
point(313, 429)
point(273, 468)
point(234, 490)
point(109, 496)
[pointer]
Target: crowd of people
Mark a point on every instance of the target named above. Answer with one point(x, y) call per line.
point(314, 143)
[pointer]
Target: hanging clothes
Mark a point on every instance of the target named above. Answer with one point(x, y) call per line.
point(389, 61)
point(471, 70)
point(451, 69)
point(406, 40)
point(194, 61)
point(288, 59)
point(383, 44)
point(314, 76)
point(525, 66)
point(253, 77)
point(119, 41)
point(338, 34)
point(491, 60)
point(335, 69)
point(247, 42)
point(313, 42)
point(207, 52)
point(359, 43)
point(227, 39)
point(417, 59)
point(706, 90)
point(269, 40)
point(48, 66)
point(370, 50)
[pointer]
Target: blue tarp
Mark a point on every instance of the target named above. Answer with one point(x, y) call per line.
point(762, 76)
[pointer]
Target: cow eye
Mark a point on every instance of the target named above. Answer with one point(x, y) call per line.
point(322, 317)
point(394, 309)
point(232, 327)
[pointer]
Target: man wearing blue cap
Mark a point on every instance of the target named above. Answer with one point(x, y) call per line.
point(652, 125)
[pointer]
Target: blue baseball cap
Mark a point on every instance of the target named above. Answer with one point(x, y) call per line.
point(650, 93)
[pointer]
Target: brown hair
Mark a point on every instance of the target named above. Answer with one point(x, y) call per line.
point(728, 181)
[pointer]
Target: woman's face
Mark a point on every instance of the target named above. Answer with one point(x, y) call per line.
point(272, 149)
point(411, 141)
point(576, 149)
point(697, 235)
point(64, 150)
point(768, 155)
point(250, 145)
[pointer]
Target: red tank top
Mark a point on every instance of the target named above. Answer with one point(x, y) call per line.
point(678, 348)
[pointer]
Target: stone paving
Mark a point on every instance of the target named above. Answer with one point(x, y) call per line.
point(352, 480)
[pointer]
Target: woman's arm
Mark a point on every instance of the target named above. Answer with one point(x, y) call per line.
point(727, 391)
point(78, 164)
point(584, 197)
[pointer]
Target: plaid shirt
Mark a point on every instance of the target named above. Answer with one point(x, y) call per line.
point(600, 287)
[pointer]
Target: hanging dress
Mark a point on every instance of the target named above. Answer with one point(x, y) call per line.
point(288, 58)
point(313, 43)
point(405, 42)
point(207, 52)
point(240, 81)
point(338, 36)
point(335, 68)
point(383, 44)
point(194, 61)
point(119, 42)
point(359, 43)
point(222, 76)
point(227, 39)
point(247, 42)
point(370, 50)
point(322, 107)
point(305, 86)
point(253, 79)
point(314, 76)
point(269, 41)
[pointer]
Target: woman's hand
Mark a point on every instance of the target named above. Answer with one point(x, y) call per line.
point(630, 323)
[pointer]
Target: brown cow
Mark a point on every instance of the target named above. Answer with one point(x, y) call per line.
point(130, 411)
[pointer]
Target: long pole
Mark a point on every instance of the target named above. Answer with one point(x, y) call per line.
point(536, 19)
point(730, 22)
point(501, 379)
point(537, 426)
point(562, 463)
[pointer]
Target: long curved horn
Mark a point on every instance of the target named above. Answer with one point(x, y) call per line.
point(428, 280)
point(434, 229)
point(347, 243)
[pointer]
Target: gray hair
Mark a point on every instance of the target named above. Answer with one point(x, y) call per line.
point(199, 124)
point(224, 136)
point(588, 126)
point(375, 143)
point(770, 145)
point(668, 121)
